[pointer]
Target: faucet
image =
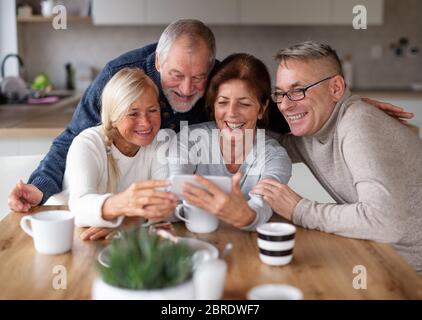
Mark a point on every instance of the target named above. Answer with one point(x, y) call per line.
point(10, 55)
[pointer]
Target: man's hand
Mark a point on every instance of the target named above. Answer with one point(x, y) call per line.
point(280, 197)
point(23, 197)
point(391, 110)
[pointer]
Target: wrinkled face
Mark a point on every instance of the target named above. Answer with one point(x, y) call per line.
point(184, 74)
point(236, 108)
point(307, 116)
point(140, 124)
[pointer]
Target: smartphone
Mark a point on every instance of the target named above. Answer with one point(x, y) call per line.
point(177, 181)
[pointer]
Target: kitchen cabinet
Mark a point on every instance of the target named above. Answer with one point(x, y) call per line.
point(342, 11)
point(210, 12)
point(293, 12)
point(239, 12)
point(304, 12)
point(163, 12)
point(122, 12)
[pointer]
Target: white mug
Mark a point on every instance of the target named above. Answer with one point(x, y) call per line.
point(196, 219)
point(52, 231)
point(209, 279)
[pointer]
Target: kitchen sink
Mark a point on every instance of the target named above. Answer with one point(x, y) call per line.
point(50, 99)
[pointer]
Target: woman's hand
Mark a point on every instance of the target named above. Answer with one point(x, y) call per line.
point(142, 199)
point(390, 109)
point(23, 197)
point(95, 233)
point(280, 197)
point(231, 208)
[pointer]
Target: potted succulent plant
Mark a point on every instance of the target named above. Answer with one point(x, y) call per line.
point(145, 266)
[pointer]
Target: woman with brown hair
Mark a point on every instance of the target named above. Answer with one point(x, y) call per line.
point(238, 96)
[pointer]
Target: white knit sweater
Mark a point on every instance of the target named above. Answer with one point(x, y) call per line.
point(85, 179)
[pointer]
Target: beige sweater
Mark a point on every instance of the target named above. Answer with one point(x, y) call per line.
point(372, 166)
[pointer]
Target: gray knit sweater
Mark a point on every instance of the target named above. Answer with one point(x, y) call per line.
point(270, 160)
point(372, 166)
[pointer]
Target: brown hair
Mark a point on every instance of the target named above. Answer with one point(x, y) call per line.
point(245, 67)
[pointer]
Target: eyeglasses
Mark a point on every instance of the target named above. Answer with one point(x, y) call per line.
point(296, 94)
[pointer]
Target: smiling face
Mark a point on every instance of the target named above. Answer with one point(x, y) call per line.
point(236, 108)
point(307, 116)
point(140, 124)
point(184, 74)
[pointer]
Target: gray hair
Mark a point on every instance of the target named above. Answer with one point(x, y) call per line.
point(310, 50)
point(195, 30)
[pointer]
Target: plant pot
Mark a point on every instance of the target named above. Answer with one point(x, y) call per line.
point(104, 291)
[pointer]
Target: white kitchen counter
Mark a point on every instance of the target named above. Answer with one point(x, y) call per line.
point(30, 129)
point(43, 120)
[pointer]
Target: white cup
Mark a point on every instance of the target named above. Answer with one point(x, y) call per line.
point(274, 292)
point(52, 231)
point(275, 242)
point(196, 219)
point(209, 279)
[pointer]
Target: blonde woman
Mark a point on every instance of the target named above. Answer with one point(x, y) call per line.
point(112, 170)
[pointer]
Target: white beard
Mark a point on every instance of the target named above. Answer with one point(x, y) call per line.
point(181, 107)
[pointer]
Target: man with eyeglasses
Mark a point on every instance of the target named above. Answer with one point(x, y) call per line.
point(368, 162)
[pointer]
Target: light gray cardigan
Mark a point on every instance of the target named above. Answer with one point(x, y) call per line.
point(267, 160)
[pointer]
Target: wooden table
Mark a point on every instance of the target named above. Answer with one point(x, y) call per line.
point(322, 266)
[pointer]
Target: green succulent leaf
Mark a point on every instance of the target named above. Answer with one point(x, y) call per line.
point(139, 260)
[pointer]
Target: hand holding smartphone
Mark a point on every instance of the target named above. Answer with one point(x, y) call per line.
point(177, 182)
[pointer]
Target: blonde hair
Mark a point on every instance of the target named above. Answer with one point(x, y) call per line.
point(126, 86)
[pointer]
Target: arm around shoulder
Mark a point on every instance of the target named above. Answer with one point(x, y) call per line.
point(48, 177)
